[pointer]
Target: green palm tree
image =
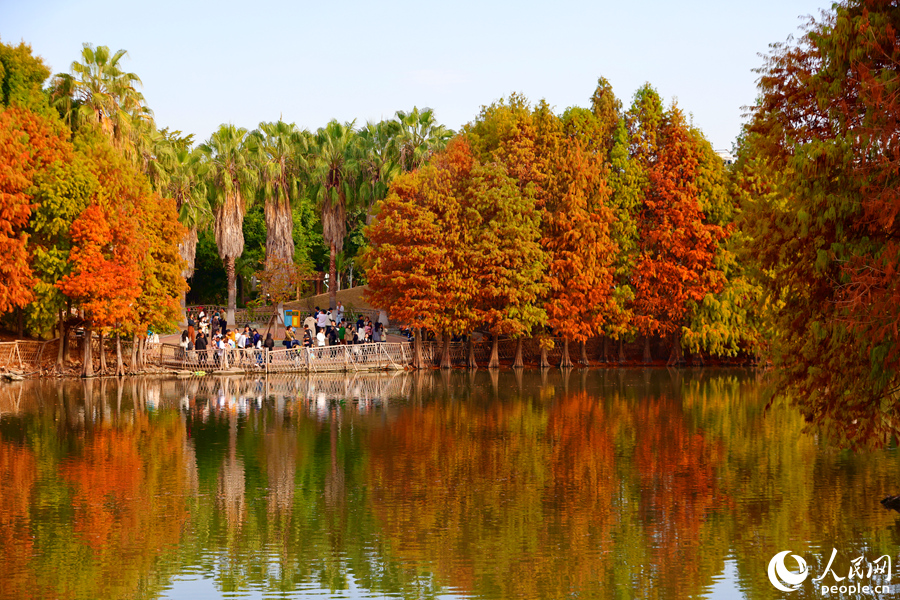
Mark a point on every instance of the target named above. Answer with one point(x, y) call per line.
point(334, 172)
point(99, 91)
point(279, 153)
point(379, 163)
point(232, 181)
point(419, 137)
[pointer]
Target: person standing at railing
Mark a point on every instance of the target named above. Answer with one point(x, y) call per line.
point(200, 346)
point(307, 337)
point(192, 334)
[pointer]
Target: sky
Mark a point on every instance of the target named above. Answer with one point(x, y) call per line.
point(204, 63)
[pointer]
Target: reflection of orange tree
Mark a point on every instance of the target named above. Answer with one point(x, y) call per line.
point(126, 487)
point(17, 475)
point(679, 492)
point(489, 494)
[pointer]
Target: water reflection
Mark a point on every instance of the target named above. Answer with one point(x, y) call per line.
point(591, 483)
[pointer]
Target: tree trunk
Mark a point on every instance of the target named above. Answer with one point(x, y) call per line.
point(417, 348)
point(134, 348)
point(445, 353)
point(20, 322)
point(584, 358)
point(544, 362)
point(621, 350)
point(519, 362)
point(471, 362)
point(675, 353)
point(565, 362)
point(495, 353)
point(279, 231)
point(232, 291)
point(184, 317)
point(120, 365)
point(63, 339)
point(87, 365)
point(332, 277)
point(140, 352)
point(68, 355)
point(102, 353)
point(647, 357)
point(604, 350)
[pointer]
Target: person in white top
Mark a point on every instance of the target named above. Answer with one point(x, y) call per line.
point(241, 339)
point(320, 337)
point(322, 320)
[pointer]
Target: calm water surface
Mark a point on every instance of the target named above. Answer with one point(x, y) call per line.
point(591, 484)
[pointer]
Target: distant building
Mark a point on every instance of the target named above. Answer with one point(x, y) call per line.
point(726, 156)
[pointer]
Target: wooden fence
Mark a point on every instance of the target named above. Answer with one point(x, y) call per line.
point(27, 355)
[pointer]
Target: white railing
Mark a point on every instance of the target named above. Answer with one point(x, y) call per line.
point(350, 357)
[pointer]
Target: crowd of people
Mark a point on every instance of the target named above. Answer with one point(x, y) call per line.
point(321, 328)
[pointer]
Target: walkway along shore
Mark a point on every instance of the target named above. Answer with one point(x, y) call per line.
point(38, 359)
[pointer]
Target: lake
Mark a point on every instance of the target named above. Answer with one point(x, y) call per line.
point(590, 483)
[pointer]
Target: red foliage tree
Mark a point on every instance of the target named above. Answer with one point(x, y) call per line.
point(105, 279)
point(675, 268)
point(28, 143)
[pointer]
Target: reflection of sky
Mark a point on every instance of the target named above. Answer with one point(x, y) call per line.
point(201, 588)
point(725, 586)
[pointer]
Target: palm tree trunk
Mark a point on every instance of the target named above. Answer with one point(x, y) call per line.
point(565, 362)
point(279, 232)
point(232, 289)
point(332, 276)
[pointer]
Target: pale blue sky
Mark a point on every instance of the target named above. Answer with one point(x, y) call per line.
point(206, 63)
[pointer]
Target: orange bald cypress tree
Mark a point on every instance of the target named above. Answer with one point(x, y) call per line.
point(105, 280)
point(419, 249)
point(576, 235)
point(677, 245)
point(28, 144)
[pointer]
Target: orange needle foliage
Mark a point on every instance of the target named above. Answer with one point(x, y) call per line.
point(28, 144)
point(105, 279)
point(677, 246)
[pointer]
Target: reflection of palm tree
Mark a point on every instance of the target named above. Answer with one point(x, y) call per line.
point(231, 479)
point(232, 180)
point(334, 481)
